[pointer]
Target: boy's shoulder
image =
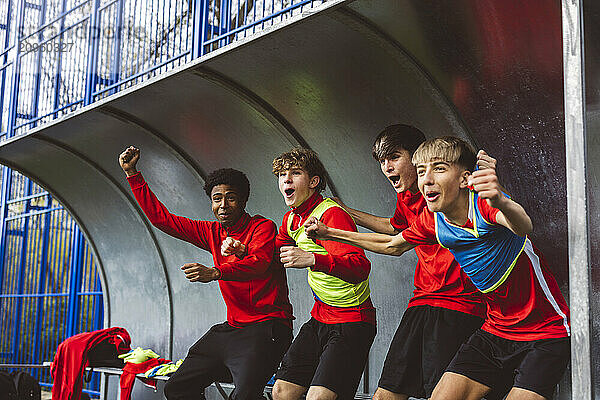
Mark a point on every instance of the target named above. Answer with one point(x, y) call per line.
point(409, 204)
point(258, 219)
point(408, 198)
point(427, 217)
point(336, 216)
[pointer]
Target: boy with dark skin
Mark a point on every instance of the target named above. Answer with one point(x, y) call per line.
point(527, 323)
point(248, 347)
point(445, 308)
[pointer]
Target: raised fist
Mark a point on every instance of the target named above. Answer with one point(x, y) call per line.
point(484, 160)
point(485, 183)
point(128, 160)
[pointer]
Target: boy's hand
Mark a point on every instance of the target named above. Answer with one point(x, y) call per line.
point(128, 160)
point(315, 229)
point(232, 246)
point(485, 183)
point(484, 161)
point(196, 272)
point(295, 257)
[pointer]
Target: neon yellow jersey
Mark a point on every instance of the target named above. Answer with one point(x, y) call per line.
point(326, 288)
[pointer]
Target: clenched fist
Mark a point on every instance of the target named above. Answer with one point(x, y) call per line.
point(295, 257)
point(315, 229)
point(128, 160)
point(485, 161)
point(196, 272)
point(232, 246)
point(485, 183)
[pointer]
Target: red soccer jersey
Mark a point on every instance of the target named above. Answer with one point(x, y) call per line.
point(439, 280)
point(254, 287)
point(528, 305)
point(343, 261)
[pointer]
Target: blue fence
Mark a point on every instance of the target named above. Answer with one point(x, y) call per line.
point(61, 55)
point(49, 283)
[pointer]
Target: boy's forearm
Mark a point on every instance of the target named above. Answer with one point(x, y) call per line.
point(130, 171)
point(372, 222)
point(515, 217)
point(352, 267)
point(375, 242)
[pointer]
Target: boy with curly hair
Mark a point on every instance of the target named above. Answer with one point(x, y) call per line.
point(248, 347)
point(329, 353)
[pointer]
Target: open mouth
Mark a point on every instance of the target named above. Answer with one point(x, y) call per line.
point(289, 192)
point(394, 179)
point(432, 196)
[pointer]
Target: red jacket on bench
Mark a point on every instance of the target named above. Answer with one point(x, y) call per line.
point(71, 359)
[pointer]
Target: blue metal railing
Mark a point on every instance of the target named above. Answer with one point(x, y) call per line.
point(49, 283)
point(59, 57)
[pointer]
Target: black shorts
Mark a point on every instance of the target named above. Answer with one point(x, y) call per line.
point(246, 356)
point(534, 365)
point(329, 355)
point(424, 344)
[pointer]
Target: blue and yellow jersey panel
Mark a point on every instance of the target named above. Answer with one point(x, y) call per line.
point(487, 253)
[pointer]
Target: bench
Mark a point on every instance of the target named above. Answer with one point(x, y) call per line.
point(106, 371)
point(118, 371)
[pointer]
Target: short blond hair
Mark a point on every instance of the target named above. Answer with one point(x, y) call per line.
point(446, 148)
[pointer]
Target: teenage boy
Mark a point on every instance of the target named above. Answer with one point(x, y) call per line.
point(527, 323)
point(329, 353)
point(248, 347)
point(445, 308)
